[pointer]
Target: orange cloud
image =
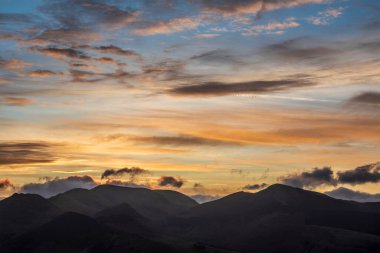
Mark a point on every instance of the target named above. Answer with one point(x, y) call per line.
point(14, 64)
point(17, 101)
point(240, 7)
point(44, 73)
point(272, 26)
point(170, 26)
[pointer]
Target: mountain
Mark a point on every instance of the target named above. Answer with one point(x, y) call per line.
point(117, 219)
point(149, 203)
point(281, 218)
point(72, 232)
point(23, 211)
point(125, 218)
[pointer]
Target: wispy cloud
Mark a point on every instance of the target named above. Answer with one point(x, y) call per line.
point(325, 17)
point(26, 153)
point(271, 28)
point(17, 101)
point(168, 26)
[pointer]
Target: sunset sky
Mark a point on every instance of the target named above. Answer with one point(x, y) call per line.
point(218, 95)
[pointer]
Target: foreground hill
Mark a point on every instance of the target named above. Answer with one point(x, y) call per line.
point(23, 211)
point(282, 218)
point(125, 218)
point(149, 203)
point(72, 232)
point(117, 219)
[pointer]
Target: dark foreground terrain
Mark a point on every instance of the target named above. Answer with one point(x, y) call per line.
point(119, 219)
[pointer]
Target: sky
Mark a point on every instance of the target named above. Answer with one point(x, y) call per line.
point(207, 97)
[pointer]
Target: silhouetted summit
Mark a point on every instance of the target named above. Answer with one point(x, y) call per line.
point(23, 211)
point(279, 218)
point(278, 215)
point(149, 203)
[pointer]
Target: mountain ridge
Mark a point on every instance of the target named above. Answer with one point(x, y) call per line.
point(279, 218)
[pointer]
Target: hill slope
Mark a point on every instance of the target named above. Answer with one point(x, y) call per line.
point(281, 218)
point(149, 203)
point(23, 211)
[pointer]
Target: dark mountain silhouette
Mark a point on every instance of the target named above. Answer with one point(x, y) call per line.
point(125, 218)
point(72, 232)
point(117, 219)
point(149, 203)
point(23, 211)
point(281, 217)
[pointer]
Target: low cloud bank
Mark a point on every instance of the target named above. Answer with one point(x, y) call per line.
point(50, 187)
point(325, 176)
point(348, 194)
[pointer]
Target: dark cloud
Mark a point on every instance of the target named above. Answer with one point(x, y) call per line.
point(93, 77)
point(364, 174)
point(6, 184)
point(76, 21)
point(132, 172)
point(170, 181)
point(198, 186)
point(125, 184)
point(300, 49)
point(348, 194)
point(85, 76)
point(44, 73)
point(59, 52)
point(253, 187)
point(222, 89)
point(315, 178)
point(218, 56)
point(111, 49)
point(106, 60)
point(182, 140)
point(51, 187)
point(166, 70)
point(366, 98)
point(26, 153)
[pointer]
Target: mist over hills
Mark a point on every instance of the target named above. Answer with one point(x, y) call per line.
point(120, 219)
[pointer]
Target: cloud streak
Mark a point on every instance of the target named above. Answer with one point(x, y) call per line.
point(182, 140)
point(224, 89)
point(241, 7)
point(25, 153)
point(167, 26)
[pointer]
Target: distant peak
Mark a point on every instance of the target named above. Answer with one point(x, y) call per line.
point(25, 196)
point(280, 187)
